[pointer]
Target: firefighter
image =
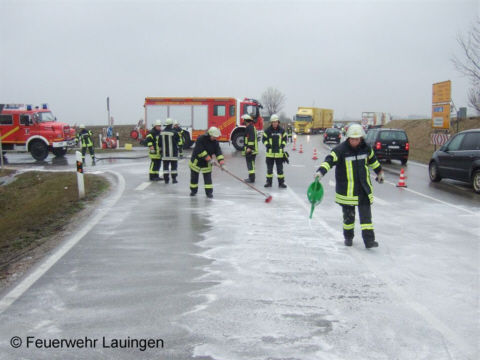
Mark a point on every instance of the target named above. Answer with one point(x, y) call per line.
point(86, 138)
point(169, 140)
point(179, 130)
point(250, 149)
point(353, 186)
point(153, 142)
point(274, 139)
point(289, 133)
point(202, 160)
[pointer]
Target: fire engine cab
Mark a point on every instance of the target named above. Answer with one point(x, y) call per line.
point(24, 128)
point(196, 115)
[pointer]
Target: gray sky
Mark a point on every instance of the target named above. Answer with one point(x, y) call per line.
point(350, 56)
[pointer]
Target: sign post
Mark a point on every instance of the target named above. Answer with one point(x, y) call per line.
point(441, 98)
point(80, 182)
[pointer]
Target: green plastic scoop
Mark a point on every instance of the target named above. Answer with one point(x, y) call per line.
point(315, 194)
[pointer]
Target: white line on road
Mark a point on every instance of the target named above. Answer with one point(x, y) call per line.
point(434, 199)
point(43, 268)
point(143, 186)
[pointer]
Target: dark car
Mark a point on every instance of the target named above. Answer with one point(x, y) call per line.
point(389, 144)
point(458, 159)
point(332, 134)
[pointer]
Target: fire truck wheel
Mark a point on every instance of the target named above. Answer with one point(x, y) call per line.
point(238, 141)
point(39, 151)
point(58, 152)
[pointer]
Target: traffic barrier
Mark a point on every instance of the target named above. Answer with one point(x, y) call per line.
point(314, 154)
point(301, 151)
point(294, 148)
point(401, 180)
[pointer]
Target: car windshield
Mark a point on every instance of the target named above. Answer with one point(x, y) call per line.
point(333, 131)
point(44, 116)
point(304, 118)
point(392, 135)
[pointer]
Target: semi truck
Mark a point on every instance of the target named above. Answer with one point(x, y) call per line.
point(371, 119)
point(196, 115)
point(24, 128)
point(310, 120)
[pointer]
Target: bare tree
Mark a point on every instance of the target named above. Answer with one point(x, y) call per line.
point(272, 100)
point(469, 65)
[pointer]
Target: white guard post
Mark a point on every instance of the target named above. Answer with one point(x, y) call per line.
point(118, 141)
point(81, 184)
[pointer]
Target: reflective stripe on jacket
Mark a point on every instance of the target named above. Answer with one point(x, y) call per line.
point(85, 137)
point(153, 139)
point(250, 139)
point(352, 171)
point(275, 141)
point(202, 153)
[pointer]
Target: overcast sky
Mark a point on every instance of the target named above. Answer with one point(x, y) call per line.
point(350, 56)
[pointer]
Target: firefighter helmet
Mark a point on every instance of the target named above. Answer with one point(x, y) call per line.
point(274, 117)
point(175, 122)
point(168, 122)
point(157, 122)
point(81, 126)
point(246, 117)
point(355, 131)
point(213, 131)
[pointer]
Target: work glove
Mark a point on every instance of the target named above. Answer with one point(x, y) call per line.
point(380, 178)
point(211, 162)
point(152, 151)
point(318, 175)
point(285, 157)
point(223, 167)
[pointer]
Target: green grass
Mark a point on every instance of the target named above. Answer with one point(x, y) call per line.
point(38, 205)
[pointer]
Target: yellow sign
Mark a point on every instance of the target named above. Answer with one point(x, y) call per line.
point(442, 92)
point(441, 116)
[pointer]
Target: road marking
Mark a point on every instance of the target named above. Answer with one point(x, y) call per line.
point(143, 186)
point(434, 199)
point(13, 295)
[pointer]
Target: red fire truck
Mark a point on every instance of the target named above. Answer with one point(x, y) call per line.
point(196, 115)
point(34, 129)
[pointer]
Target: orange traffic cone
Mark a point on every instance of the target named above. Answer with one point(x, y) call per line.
point(314, 154)
point(301, 151)
point(401, 181)
point(294, 148)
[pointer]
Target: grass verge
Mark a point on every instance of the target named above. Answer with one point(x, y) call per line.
point(36, 207)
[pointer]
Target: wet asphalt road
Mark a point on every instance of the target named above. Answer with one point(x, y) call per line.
point(236, 278)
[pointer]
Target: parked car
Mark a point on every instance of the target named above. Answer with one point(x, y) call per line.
point(458, 159)
point(389, 144)
point(332, 134)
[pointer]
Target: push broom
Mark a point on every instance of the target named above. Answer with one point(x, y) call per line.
point(268, 197)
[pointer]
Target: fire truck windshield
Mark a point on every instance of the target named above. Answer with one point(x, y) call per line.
point(44, 116)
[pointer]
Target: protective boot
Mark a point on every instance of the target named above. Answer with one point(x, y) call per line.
point(174, 179)
point(348, 242)
point(371, 244)
point(281, 184)
point(251, 179)
point(166, 177)
point(268, 184)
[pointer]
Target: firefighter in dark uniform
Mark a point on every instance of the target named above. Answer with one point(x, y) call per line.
point(179, 130)
point(353, 186)
point(202, 160)
point(169, 140)
point(250, 149)
point(86, 138)
point(153, 142)
point(274, 139)
point(289, 133)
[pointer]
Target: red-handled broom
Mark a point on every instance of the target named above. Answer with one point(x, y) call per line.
point(268, 197)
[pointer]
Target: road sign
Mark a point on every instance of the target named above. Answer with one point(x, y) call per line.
point(441, 116)
point(442, 92)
